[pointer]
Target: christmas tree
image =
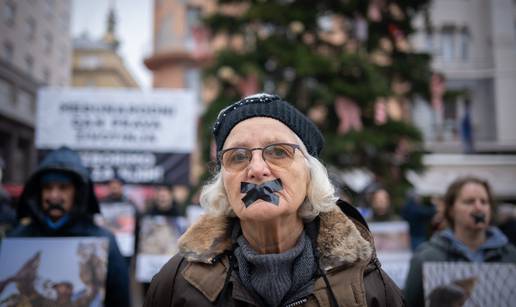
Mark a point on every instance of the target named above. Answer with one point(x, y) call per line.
point(348, 65)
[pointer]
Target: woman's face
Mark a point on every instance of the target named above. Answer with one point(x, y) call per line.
point(471, 200)
point(381, 202)
point(260, 132)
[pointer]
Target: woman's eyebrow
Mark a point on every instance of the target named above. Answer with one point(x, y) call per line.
point(246, 143)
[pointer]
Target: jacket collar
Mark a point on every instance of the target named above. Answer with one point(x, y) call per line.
point(340, 240)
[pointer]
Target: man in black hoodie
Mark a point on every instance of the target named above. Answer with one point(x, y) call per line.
point(60, 202)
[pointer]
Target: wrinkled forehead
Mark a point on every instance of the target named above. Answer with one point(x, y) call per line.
point(260, 131)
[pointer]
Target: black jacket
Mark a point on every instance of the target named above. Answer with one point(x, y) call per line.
point(80, 223)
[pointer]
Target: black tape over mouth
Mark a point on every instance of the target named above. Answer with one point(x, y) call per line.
point(264, 191)
point(55, 206)
point(478, 218)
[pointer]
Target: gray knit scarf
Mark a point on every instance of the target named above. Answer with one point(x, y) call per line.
point(277, 278)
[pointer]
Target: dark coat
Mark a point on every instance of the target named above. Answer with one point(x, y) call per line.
point(439, 248)
point(196, 276)
point(81, 219)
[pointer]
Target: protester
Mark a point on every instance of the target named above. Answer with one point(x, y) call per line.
point(419, 217)
point(381, 207)
point(59, 199)
point(115, 207)
point(116, 192)
point(163, 202)
point(273, 233)
point(468, 210)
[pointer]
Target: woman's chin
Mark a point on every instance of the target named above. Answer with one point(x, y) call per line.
point(262, 210)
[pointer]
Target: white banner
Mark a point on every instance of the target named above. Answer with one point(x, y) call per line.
point(116, 119)
point(392, 243)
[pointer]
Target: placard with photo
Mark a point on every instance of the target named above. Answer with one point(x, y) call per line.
point(157, 244)
point(392, 243)
point(53, 271)
point(469, 284)
point(120, 219)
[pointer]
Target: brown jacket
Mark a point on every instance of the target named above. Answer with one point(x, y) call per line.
point(196, 276)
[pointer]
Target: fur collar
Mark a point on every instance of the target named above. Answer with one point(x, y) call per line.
point(340, 240)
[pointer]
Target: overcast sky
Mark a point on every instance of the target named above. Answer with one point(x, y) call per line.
point(133, 29)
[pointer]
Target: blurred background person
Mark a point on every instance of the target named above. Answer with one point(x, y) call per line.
point(469, 209)
point(116, 192)
point(381, 207)
point(419, 217)
point(163, 202)
point(60, 202)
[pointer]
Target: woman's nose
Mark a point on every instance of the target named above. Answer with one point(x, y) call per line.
point(258, 167)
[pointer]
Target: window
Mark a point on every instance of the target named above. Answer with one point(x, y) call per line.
point(193, 79)
point(9, 13)
point(50, 5)
point(8, 52)
point(30, 28)
point(447, 44)
point(26, 102)
point(46, 75)
point(193, 17)
point(48, 42)
point(90, 62)
point(7, 92)
point(29, 63)
point(64, 21)
point(166, 37)
point(464, 44)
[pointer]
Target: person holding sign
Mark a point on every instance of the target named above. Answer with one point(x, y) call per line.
point(273, 233)
point(58, 201)
point(468, 210)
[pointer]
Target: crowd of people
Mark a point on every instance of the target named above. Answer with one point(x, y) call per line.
point(274, 231)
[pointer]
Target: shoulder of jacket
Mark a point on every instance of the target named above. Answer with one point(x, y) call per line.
point(162, 284)
point(509, 252)
point(20, 231)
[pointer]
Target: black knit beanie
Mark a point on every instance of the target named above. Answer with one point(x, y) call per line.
point(266, 105)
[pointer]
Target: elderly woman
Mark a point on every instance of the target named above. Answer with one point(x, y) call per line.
point(468, 210)
point(273, 234)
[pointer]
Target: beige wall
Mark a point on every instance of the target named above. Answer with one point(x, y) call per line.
point(100, 68)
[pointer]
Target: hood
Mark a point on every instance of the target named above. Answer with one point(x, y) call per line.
point(341, 240)
point(66, 160)
point(446, 240)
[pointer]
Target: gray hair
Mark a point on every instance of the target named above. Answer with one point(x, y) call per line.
point(320, 196)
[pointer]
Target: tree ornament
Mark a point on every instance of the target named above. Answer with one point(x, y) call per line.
point(380, 111)
point(349, 114)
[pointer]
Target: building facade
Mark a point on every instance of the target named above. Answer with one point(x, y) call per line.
point(181, 49)
point(35, 51)
point(96, 62)
point(473, 43)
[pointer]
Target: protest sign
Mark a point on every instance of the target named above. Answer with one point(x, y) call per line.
point(469, 284)
point(120, 219)
point(392, 243)
point(48, 271)
point(157, 244)
point(145, 137)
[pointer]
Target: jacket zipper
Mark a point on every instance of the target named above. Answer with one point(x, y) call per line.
point(297, 303)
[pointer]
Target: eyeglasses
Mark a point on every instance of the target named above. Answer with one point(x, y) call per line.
point(238, 158)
